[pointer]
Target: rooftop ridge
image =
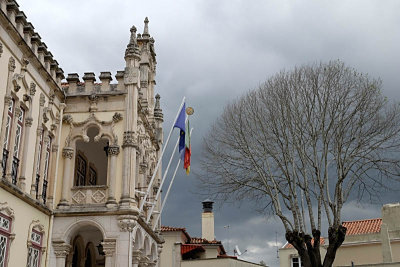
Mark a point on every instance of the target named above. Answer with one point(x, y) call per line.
point(362, 220)
point(25, 31)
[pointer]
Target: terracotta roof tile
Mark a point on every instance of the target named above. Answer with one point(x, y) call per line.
point(172, 229)
point(175, 229)
point(197, 240)
point(363, 226)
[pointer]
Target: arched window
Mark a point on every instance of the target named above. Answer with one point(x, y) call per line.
point(91, 160)
point(35, 244)
point(6, 234)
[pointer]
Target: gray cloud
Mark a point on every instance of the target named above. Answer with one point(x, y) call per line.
point(213, 52)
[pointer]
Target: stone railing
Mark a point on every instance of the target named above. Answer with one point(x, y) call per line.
point(95, 194)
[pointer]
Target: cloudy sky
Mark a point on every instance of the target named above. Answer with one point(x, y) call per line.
point(214, 51)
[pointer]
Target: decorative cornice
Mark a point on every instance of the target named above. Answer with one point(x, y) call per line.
point(5, 209)
point(68, 152)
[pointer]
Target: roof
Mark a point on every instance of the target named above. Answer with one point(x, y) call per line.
point(185, 248)
point(176, 229)
point(361, 227)
point(321, 241)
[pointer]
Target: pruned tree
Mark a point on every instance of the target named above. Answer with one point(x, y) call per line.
point(302, 144)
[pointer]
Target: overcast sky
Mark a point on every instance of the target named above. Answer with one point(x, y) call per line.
point(214, 51)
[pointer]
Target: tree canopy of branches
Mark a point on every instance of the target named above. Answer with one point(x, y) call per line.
point(303, 143)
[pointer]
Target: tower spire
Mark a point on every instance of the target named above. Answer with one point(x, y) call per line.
point(132, 49)
point(146, 28)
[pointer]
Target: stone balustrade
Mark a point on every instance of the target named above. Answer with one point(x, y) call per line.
point(96, 194)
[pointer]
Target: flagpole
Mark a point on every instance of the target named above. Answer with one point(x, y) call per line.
point(169, 188)
point(160, 158)
point(163, 178)
point(162, 181)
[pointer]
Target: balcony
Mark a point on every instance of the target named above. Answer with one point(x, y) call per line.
point(95, 194)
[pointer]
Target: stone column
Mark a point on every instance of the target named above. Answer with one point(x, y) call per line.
point(113, 152)
point(136, 255)
point(27, 130)
point(68, 153)
point(109, 250)
point(128, 177)
point(61, 250)
point(39, 132)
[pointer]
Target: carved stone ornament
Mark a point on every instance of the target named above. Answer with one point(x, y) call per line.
point(26, 97)
point(109, 247)
point(11, 64)
point(32, 89)
point(68, 152)
point(67, 118)
point(54, 148)
point(61, 249)
point(42, 100)
point(117, 117)
point(79, 129)
point(1, 49)
point(113, 150)
point(28, 121)
point(130, 139)
point(127, 222)
point(17, 112)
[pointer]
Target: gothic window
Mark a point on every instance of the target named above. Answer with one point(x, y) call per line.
point(81, 166)
point(10, 115)
point(20, 124)
point(5, 232)
point(35, 248)
point(92, 179)
point(47, 160)
point(39, 153)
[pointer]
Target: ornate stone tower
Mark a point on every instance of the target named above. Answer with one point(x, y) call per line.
point(111, 140)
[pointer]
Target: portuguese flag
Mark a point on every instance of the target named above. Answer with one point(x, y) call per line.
point(188, 150)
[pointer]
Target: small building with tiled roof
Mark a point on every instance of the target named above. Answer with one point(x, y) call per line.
point(375, 242)
point(182, 250)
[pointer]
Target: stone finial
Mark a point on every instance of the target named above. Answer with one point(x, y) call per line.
point(72, 79)
point(132, 49)
point(105, 78)
point(146, 28)
point(158, 115)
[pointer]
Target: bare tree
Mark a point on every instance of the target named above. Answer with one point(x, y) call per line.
point(303, 143)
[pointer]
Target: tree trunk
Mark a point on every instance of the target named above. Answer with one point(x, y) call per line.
point(309, 247)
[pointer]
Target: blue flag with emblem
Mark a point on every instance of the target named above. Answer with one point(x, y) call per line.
point(180, 123)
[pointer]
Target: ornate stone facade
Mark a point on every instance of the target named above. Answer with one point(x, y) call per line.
point(78, 151)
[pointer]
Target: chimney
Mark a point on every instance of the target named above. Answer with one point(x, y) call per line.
point(207, 220)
